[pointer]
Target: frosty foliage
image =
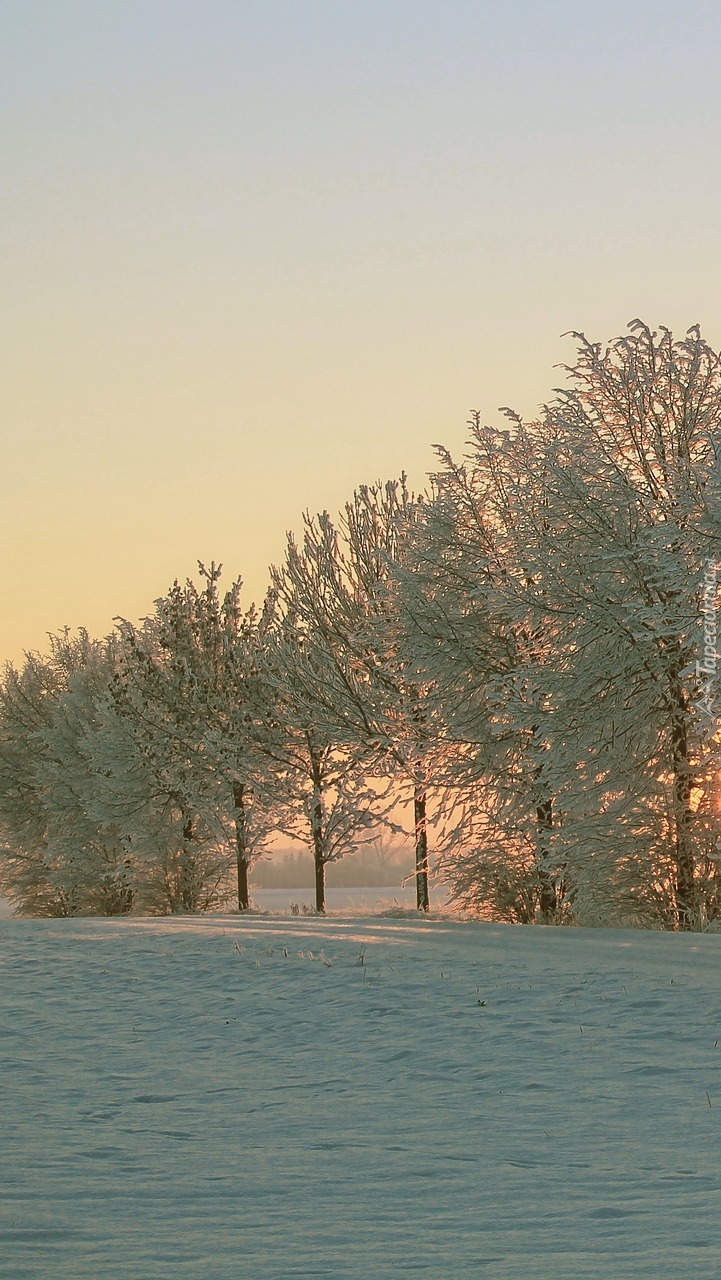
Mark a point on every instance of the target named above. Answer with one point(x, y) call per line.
point(566, 639)
point(339, 592)
point(59, 857)
point(326, 674)
point(186, 690)
point(528, 651)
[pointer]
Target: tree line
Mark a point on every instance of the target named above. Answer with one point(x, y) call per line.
point(522, 660)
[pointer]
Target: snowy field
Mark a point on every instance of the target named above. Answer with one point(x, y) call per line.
point(242, 1099)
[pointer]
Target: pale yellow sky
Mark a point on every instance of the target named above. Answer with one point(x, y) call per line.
point(257, 252)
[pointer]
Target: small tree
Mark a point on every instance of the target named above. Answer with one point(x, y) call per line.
point(183, 690)
point(189, 675)
point(58, 858)
point(317, 777)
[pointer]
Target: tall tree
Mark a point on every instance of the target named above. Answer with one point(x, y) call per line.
point(464, 597)
point(339, 584)
point(611, 504)
point(635, 449)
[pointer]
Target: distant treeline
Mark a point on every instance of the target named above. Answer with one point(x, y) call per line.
point(363, 869)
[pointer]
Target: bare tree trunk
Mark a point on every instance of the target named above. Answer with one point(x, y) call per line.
point(319, 850)
point(243, 886)
point(544, 826)
point(549, 896)
point(241, 845)
point(188, 870)
point(686, 904)
point(319, 885)
point(421, 838)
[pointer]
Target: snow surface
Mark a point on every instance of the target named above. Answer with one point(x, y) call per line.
point(181, 1098)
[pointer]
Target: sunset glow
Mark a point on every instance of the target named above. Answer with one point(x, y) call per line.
point(256, 254)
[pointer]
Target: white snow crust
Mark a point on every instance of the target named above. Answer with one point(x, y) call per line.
point(223, 1097)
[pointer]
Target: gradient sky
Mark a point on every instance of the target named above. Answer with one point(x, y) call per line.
point(257, 252)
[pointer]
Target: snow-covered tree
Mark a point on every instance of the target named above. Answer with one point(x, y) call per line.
point(463, 593)
point(317, 776)
point(633, 448)
point(27, 699)
point(606, 516)
point(94, 852)
point(58, 859)
point(338, 585)
point(183, 689)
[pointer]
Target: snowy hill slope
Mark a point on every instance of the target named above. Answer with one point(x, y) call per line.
point(213, 1097)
